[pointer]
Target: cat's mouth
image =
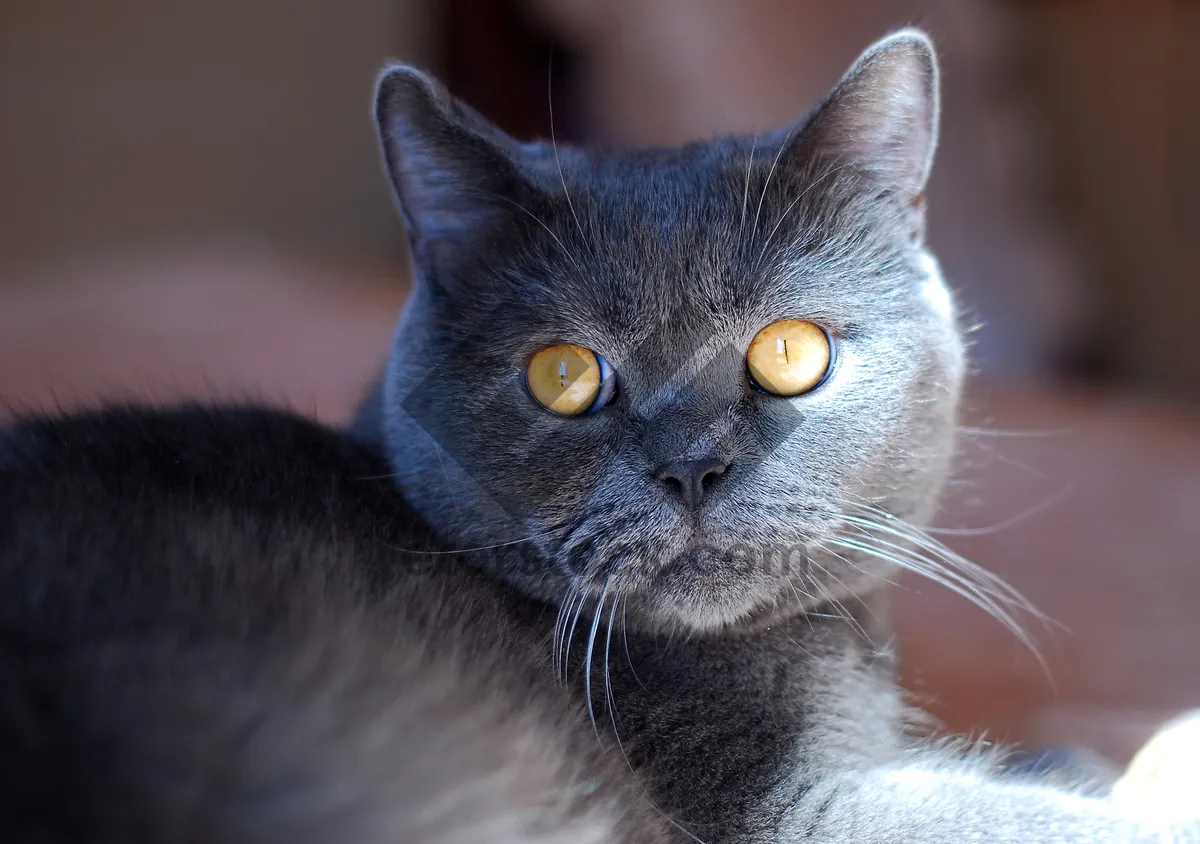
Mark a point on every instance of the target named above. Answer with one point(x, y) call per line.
point(704, 570)
point(711, 581)
point(701, 559)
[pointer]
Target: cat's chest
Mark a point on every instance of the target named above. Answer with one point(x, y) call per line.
point(716, 725)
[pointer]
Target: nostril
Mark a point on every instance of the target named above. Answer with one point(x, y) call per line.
point(676, 485)
point(664, 473)
point(718, 467)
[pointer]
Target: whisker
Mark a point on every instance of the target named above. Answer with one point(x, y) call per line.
point(625, 636)
point(575, 622)
point(746, 189)
point(560, 630)
point(838, 166)
point(540, 222)
point(587, 660)
point(451, 552)
point(610, 700)
point(985, 578)
point(997, 594)
point(575, 599)
point(766, 184)
point(852, 564)
point(997, 606)
point(580, 606)
point(1009, 459)
point(910, 561)
point(837, 604)
point(1011, 521)
point(386, 477)
point(554, 146)
point(1001, 433)
point(895, 526)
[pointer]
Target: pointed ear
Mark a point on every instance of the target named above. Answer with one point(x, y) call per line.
point(454, 174)
point(882, 118)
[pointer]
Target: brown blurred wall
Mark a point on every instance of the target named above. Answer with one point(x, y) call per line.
point(130, 124)
point(1120, 97)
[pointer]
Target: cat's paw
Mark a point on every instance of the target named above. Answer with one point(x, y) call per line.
point(1163, 780)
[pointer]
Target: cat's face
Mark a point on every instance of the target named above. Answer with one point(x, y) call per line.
point(686, 489)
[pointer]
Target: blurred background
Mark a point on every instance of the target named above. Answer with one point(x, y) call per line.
point(191, 204)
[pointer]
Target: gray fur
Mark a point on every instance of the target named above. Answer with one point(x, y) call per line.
point(754, 693)
point(668, 262)
point(201, 642)
point(228, 625)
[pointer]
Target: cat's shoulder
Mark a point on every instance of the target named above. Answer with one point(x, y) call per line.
point(237, 511)
point(219, 482)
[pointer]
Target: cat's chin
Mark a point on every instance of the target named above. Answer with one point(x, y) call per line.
point(701, 592)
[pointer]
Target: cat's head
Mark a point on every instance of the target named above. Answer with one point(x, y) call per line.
point(660, 300)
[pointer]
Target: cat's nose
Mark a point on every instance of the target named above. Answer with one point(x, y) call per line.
point(691, 478)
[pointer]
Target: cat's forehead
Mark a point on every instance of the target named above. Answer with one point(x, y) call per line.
point(668, 197)
point(692, 242)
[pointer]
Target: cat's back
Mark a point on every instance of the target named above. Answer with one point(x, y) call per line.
point(223, 625)
point(211, 515)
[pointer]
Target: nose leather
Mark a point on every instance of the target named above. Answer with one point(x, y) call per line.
point(691, 478)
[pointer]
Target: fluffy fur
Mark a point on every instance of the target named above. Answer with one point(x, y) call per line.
point(668, 262)
point(215, 627)
point(474, 620)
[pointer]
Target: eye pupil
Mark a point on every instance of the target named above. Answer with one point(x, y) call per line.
point(790, 357)
point(569, 380)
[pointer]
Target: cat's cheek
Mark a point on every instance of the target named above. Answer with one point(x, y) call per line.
point(845, 370)
point(934, 289)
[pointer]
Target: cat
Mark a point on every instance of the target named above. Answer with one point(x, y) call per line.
point(605, 557)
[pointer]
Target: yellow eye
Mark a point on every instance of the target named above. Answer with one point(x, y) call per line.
point(570, 380)
point(789, 357)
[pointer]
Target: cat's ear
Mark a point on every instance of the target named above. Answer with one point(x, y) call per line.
point(453, 172)
point(882, 118)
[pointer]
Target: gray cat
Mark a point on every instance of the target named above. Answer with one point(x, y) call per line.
point(604, 559)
